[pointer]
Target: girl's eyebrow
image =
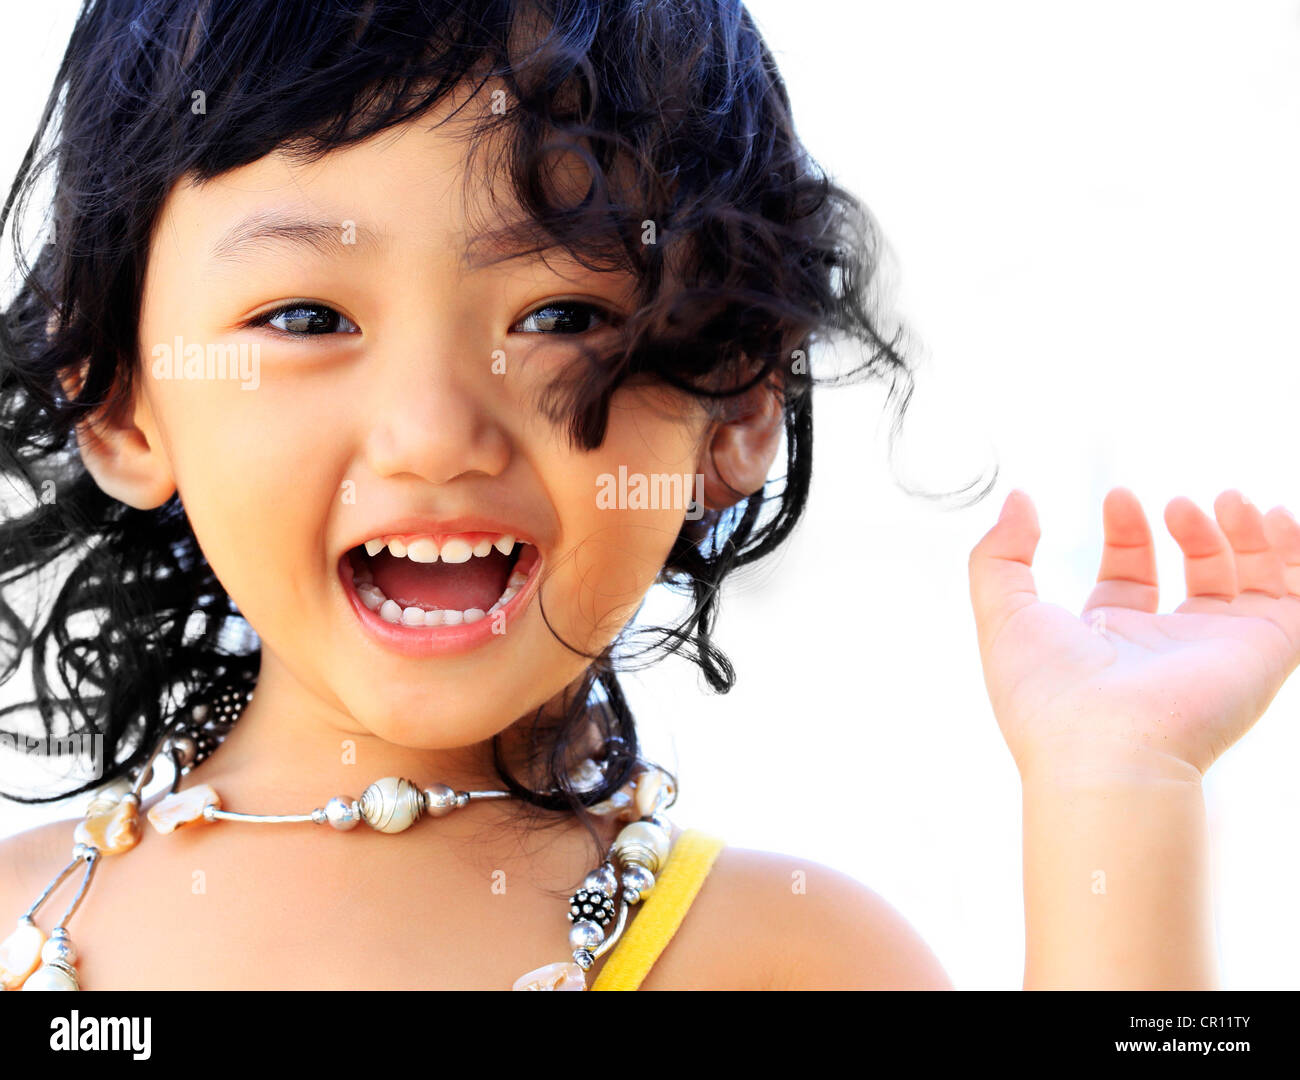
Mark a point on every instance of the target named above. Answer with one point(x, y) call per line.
point(278, 227)
point(273, 227)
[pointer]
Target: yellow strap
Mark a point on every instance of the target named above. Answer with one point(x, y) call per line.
point(662, 911)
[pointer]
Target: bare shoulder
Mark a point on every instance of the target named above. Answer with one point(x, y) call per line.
point(27, 862)
point(769, 921)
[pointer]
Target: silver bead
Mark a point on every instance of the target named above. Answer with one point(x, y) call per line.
point(602, 879)
point(662, 822)
point(184, 748)
point(637, 882)
point(59, 950)
point(583, 959)
point(391, 804)
point(585, 934)
point(342, 813)
point(439, 799)
point(80, 851)
point(643, 843)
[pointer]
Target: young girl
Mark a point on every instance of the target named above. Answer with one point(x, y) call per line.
point(375, 362)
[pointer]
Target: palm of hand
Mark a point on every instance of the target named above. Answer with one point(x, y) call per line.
point(1123, 686)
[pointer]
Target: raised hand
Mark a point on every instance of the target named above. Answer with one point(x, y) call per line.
point(1119, 687)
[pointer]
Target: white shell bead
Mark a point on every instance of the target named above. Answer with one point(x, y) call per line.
point(654, 790)
point(20, 952)
point(108, 796)
point(173, 812)
point(560, 976)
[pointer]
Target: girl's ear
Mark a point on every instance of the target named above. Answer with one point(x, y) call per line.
point(122, 449)
point(741, 445)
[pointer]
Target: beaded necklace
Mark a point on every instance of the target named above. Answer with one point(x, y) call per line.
point(29, 960)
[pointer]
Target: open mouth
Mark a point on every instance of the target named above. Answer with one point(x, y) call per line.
point(440, 581)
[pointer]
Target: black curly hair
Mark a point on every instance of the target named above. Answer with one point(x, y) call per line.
point(683, 120)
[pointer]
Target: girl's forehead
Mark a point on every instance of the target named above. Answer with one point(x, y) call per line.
point(421, 182)
point(413, 167)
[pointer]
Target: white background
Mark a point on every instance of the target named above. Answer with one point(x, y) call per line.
point(1096, 244)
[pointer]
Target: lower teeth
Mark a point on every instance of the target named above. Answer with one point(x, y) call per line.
point(392, 612)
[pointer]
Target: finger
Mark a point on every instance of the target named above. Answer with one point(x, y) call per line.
point(1001, 578)
point(1209, 566)
point(1127, 577)
point(1283, 532)
point(1259, 567)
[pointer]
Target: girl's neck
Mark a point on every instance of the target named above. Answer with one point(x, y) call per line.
point(290, 752)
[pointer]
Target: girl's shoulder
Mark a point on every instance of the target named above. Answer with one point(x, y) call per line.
point(769, 921)
point(760, 921)
point(33, 849)
point(28, 860)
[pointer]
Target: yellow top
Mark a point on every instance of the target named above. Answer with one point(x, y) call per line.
point(648, 934)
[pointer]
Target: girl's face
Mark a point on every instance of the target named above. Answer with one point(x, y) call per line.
point(396, 395)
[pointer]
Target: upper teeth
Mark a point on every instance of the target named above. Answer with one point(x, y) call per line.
point(455, 549)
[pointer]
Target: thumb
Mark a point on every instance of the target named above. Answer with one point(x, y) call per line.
point(1001, 581)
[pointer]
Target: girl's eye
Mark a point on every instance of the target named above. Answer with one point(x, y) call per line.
point(306, 320)
point(562, 317)
point(302, 319)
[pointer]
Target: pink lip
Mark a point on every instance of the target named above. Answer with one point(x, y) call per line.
point(419, 641)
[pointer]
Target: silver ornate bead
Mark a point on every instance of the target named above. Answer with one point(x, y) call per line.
point(585, 934)
point(342, 813)
point(391, 804)
point(637, 882)
point(439, 799)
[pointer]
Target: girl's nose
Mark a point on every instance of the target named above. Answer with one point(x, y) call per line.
point(434, 420)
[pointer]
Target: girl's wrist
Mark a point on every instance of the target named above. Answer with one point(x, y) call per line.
point(1102, 764)
point(1117, 874)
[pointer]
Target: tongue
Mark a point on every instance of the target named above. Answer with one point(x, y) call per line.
point(442, 586)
